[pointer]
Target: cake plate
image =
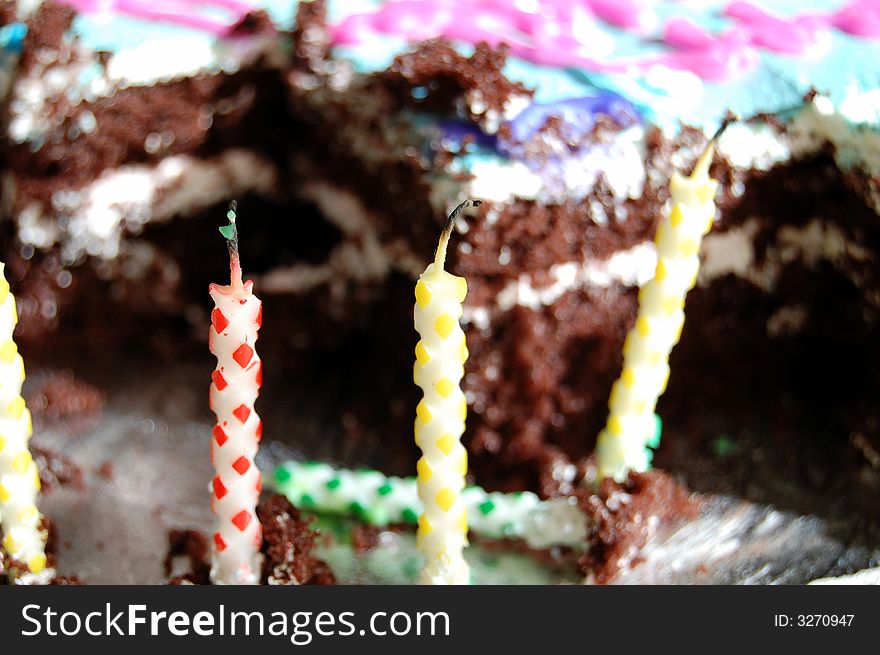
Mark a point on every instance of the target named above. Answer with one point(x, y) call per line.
point(145, 470)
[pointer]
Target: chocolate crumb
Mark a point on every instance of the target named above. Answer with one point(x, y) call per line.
point(364, 538)
point(288, 541)
point(56, 469)
point(59, 396)
point(194, 547)
point(106, 471)
point(626, 515)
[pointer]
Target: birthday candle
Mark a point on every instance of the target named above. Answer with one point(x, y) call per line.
point(235, 385)
point(631, 427)
point(24, 538)
point(380, 500)
point(440, 417)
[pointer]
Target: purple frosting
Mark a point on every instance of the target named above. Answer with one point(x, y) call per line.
point(578, 116)
point(458, 131)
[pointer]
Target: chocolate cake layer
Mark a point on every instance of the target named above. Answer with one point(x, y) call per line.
point(347, 179)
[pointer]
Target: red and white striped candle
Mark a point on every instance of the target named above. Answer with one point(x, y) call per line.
point(235, 385)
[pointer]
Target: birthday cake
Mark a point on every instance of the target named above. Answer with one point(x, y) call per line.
point(348, 131)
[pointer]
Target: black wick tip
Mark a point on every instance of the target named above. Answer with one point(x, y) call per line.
point(450, 222)
point(727, 121)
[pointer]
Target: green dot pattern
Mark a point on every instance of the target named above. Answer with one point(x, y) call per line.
point(380, 500)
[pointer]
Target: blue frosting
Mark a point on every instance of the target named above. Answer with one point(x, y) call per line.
point(778, 82)
point(12, 37)
point(576, 95)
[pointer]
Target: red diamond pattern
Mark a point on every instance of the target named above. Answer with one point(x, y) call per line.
point(259, 431)
point(260, 317)
point(218, 541)
point(259, 376)
point(219, 488)
point(259, 483)
point(241, 412)
point(219, 381)
point(241, 520)
point(241, 465)
point(243, 354)
point(220, 436)
point(218, 321)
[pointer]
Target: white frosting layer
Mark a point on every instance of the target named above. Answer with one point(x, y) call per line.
point(866, 576)
point(753, 146)
point(75, 73)
point(631, 267)
point(124, 199)
point(620, 163)
point(732, 252)
point(362, 256)
point(820, 122)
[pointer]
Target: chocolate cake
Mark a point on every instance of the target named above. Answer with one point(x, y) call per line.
point(287, 549)
point(348, 131)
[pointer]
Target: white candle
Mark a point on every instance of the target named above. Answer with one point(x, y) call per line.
point(24, 538)
point(235, 386)
point(440, 418)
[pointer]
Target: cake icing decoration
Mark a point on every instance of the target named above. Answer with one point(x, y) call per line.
point(554, 35)
point(213, 16)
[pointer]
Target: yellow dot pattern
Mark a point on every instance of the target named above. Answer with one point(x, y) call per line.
point(446, 443)
point(8, 351)
point(423, 295)
point(21, 462)
point(445, 499)
point(444, 325)
point(444, 387)
point(24, 539)
point(440, 420)
point(422, 356)
point(622, 444)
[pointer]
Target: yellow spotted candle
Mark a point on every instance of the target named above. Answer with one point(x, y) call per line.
point(623, 443)
point(235, 385)
point(440, 417)
point(24, 537)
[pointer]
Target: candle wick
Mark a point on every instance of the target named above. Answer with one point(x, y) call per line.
point(726, 122)
point(701, 168)
point(440, 254)
point(230, 233)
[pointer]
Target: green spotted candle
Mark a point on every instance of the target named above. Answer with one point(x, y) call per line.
point(380, 500)
point(439, 367)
